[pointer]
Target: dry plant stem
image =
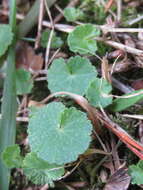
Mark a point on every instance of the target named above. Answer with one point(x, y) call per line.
point(21, 119)
point(108, 5)
point(116, 30)
point(69, 173)
point(60, 16)
point(135, 146)
point(53, 56)
point(128, 96)
point(120, 46)
point(134, 21)
point(100, 140)
point(40, 78)
point(140, 117)
point(122, 87)
point(45, 187)
point(119, 9)
point(6, 13)
point(69, 28)
point(50, 37)
point(41, 14)
point(108, 9)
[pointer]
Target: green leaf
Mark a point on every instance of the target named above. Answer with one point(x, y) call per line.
point(72, 14)
point(73, 76)
point(120, 104)
point(11, 157)
point(81, 39)
point(39, 171)
point(136, 172)
point(56, 135)
point(6, 37)
point(24, 82)
point(98, 93)
point(55, 43)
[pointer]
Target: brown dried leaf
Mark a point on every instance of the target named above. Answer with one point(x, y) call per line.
point(122, 66)
point(137, 85)
point(115, 54)
point(120, 180)
point(27, 59)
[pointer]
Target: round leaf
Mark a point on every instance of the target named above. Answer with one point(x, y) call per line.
point(98, 93)
point(39, 171)
point(6, 37)
point(73, 76)
point(58, 134)
point(81, 39)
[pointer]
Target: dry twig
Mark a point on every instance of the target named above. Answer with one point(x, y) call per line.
point(41, 14)
point(50, 37)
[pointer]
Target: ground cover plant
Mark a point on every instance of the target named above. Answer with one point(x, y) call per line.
point(71, 95)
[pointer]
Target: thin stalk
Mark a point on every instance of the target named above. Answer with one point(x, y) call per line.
point(9, 106)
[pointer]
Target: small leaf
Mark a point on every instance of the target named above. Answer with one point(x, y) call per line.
point(6, 37)
point(55, 43)
point(98, 93)
point(120, 104)
point(81, 39)
point(73, 76)
point(24, 82)
point(72, 14)
point(11, 157)
point(136, 172)
point(39, 171)
point(56, 135)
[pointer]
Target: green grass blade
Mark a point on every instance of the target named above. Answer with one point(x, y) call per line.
point(31, 18)
point(9, 107)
